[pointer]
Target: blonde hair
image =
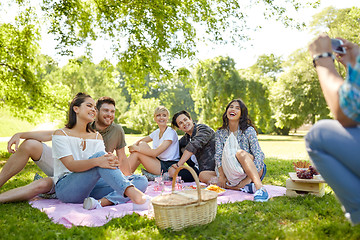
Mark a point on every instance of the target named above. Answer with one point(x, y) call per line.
point(161, 109)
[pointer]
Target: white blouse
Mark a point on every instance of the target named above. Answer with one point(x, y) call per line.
point(63, 146)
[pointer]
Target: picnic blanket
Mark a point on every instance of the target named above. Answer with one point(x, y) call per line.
point(71, 215)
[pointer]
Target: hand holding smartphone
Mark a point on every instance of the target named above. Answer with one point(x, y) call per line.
point(336, 46)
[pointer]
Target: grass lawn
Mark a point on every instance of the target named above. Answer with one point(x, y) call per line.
point(11, 125)
point(307, 217)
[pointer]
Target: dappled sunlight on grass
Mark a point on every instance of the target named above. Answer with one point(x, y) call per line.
point(304, 217)
point(283, 147)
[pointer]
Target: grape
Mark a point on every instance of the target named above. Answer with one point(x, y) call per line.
point(304, 174)
point(313, 170)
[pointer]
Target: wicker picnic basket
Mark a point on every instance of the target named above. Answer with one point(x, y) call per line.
point(185, 208)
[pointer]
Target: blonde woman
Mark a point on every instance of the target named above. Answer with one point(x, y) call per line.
point(165, 151)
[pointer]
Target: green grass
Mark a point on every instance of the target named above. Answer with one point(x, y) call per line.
point(11, 125)
point(306, 217)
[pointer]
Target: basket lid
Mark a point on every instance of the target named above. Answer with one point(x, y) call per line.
point(185, 197)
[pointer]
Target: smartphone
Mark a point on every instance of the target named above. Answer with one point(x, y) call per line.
point(336, 46)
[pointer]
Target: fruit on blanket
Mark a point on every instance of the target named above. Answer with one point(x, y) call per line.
point(215, 188)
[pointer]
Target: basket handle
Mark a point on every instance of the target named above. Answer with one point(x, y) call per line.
point(193, 173)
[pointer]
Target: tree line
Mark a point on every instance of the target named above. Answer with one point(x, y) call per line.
point(280, 94)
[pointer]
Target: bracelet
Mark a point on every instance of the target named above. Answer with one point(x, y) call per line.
point(323, 55)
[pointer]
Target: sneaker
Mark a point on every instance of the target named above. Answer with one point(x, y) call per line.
point(261, 195)
point(149, 176)
point(91, 203)
point(145, 206)
point(44, 195)
point(48, 195)
point(249, 188)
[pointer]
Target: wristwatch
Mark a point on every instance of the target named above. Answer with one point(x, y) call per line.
point(323, 55)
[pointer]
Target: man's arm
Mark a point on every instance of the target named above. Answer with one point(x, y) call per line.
point(203, 136)
point(41, 136)
point(185, 156)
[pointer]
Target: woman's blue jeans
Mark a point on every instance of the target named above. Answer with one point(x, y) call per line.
point(335, 151)
point(97, 182)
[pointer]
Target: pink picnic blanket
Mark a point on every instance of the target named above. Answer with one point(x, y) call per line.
point(70, 215)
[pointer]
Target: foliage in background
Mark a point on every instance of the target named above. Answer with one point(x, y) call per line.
point(217, 82)
point(21, 86)
point(294, 91)
point(145, 35)
point(280, 94)
point(342, 23)
point(296, 96)
point(82, 75)
point(141, 115)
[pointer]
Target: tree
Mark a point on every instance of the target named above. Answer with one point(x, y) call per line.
point(177, 95)
point(141, 115)
point(22, 88)
point(217, 82)
point(266, 71)
point(267, 66)
point(296, 96)
point(338, 23)
point(82, 75)
point(146, 35)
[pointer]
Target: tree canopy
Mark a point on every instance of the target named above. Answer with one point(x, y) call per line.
point(284, 93)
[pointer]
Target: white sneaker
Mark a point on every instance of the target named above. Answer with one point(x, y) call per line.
point(145, 206)
point(91, 203)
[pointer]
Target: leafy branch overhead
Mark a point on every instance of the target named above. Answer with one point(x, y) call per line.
point(147, 34)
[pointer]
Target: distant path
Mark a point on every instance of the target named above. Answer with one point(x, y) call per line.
point(42, 126)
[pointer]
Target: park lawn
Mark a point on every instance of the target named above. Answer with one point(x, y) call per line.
point(11, 125)
point(307, 217)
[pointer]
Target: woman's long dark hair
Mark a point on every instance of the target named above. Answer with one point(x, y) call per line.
point(244, 121)
point(77, 101)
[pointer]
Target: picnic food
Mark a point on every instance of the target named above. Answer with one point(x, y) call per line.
point(307, 174)
point(215, 188)
point(301, 164)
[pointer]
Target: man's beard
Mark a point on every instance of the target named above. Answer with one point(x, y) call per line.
point(103, 123)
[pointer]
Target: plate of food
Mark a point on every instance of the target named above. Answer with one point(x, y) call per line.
point(216, 188)
point(194, 187)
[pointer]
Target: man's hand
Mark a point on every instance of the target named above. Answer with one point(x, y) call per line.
point(14, 140)
point(172, 169)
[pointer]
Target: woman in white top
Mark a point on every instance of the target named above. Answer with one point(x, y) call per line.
point(80, 160)
point(165, 151)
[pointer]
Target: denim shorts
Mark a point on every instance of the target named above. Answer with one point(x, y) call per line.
point(264, 172)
